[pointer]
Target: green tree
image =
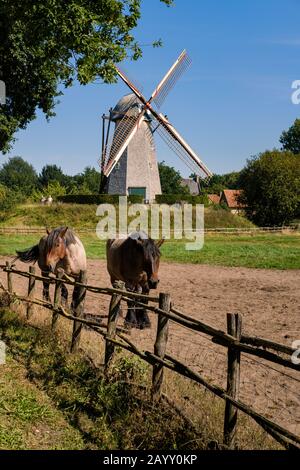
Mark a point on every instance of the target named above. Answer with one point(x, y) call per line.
point(271, 184)
point(18, 175)
point(50, 43)
point(9, 199)
point(170, 180)
point(51, 173)
point(86, 182)
point(290, 139)
point(91, 179)
point(217, 183)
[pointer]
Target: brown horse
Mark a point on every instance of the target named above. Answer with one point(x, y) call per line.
point(135, 261)
point(59, 249)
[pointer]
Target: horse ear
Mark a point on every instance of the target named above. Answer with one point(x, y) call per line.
point(48, 231)
point(63, 232)
point(160, 242)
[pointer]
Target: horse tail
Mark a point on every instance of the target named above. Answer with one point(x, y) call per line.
point(27, 256)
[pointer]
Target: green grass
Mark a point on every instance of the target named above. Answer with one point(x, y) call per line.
point(73, 404)
point(274, 251)
point(269, 251)
point(51, 399)
point(28, 418)
point(84, 216)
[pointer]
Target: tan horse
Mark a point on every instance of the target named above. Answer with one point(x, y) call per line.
point(135, 261)
point(59, 249)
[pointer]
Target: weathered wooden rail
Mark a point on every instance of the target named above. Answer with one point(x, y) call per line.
point(225, 230)
point(233, 340)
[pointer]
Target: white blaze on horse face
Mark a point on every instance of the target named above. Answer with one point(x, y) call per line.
point(155, 268)
point(57, 253)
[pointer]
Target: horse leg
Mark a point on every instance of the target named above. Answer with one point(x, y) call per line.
point(64, 295)
point(143, 320)
point(46, 294)
point(130, 319)
point(74, 297)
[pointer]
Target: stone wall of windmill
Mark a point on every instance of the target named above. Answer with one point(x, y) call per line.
point(137, 171)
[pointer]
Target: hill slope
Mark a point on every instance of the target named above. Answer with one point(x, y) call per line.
point(84, 216)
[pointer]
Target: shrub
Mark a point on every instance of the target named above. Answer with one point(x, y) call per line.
point(9, 199)
point(97, 198)
point(173, 198)
point(54, 189)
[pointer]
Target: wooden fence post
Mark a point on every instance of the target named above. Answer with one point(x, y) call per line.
point(9, 278)
point(57, 297)
point(113, 315)
point(234, 328)
point(78, 309)
point(160, 345)
point(31, 290)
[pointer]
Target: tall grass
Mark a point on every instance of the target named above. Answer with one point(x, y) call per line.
point(116, 412)
point(84, 216)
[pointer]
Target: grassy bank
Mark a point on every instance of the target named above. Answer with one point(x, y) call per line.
point(84, 216)
point(269, 251)
point(72, 404)
point(63, 398)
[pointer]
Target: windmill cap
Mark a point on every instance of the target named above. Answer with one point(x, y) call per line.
point(125, 103)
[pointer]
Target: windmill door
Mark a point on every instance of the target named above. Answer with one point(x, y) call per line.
point(140, 191)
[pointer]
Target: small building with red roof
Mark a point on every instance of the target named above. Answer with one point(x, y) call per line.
point(214, 198)
point(232, 199)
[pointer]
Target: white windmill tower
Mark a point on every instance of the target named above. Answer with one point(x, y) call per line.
point(129, 163)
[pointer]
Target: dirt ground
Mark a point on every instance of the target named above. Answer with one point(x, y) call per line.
point(268, 301)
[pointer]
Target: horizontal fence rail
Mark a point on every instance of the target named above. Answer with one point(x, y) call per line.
point(225, 230)
point(233, 341)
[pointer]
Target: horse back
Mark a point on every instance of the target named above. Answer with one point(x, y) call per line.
point(124, 261)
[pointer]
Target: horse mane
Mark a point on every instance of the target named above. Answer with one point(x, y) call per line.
point(150, 248)
point(54, 235)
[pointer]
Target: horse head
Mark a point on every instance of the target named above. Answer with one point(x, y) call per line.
point(151, 259)
point(55, 247)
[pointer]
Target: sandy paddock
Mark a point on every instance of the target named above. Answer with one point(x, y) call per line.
point(269, 302)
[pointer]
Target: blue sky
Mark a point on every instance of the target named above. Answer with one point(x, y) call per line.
point(232, 103)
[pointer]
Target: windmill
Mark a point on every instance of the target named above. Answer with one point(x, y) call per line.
point(128, 162)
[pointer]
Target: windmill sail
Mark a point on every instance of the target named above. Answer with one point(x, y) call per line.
point(174, 140)
point(123, 134)
point(168, 82)
point(131, 121)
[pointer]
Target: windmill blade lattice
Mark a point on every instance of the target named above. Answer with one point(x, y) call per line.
point(170, 79)
point(179, 146)
point(125, 128)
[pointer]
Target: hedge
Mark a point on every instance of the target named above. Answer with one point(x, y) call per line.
point(98, 198)
point(173, 198)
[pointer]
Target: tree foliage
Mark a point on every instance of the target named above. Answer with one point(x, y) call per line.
point(290, 139)
point(88, 180)
point(47, 43)
point(19, 176)
point(271, 184)
point(217, 183)
point(170, 180)
point(51, 173)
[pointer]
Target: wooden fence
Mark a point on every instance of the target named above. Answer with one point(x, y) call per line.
point(224, 230)
point(233, 340)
